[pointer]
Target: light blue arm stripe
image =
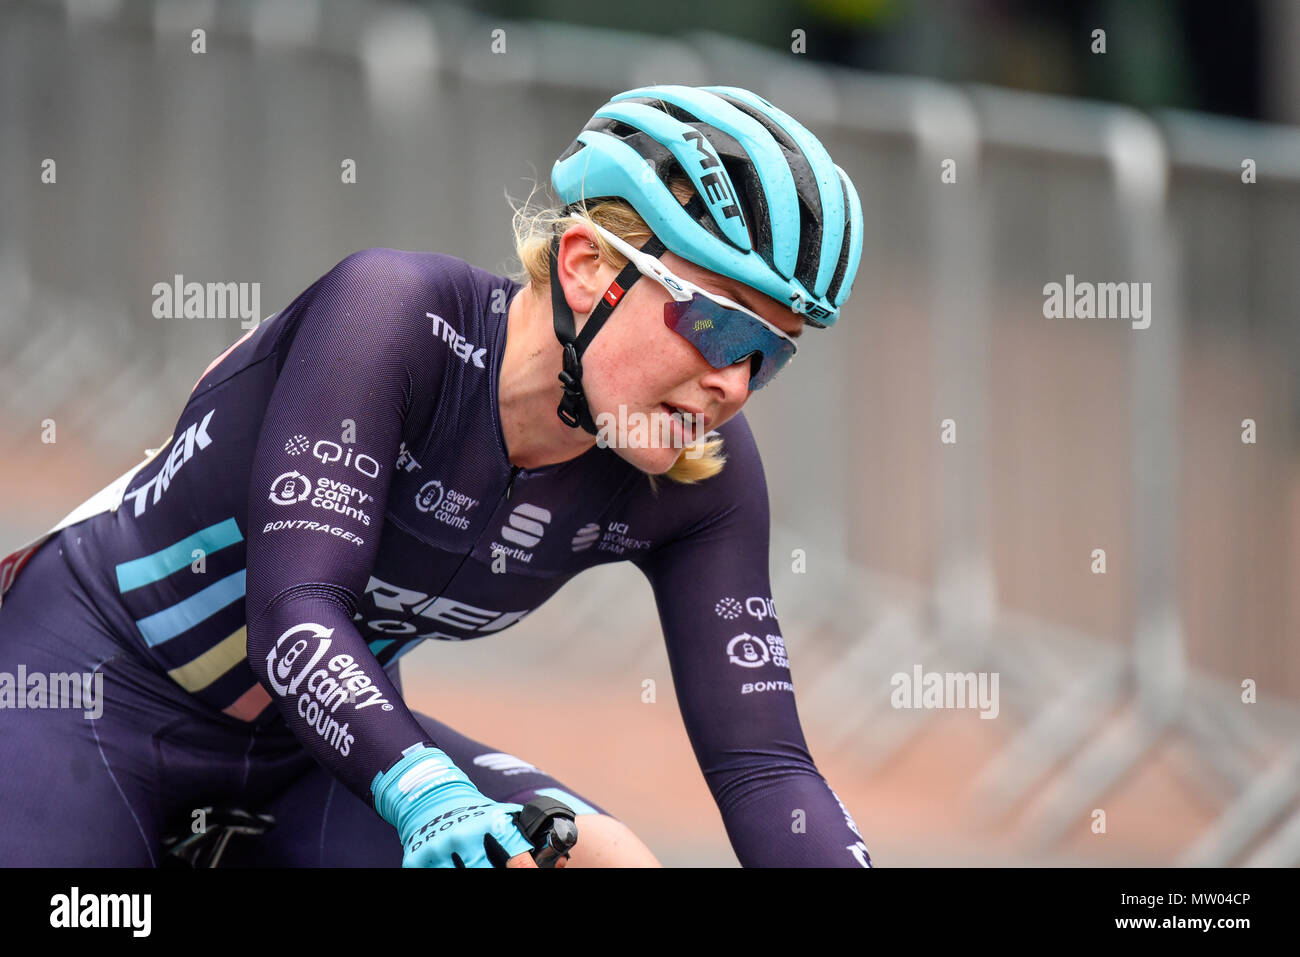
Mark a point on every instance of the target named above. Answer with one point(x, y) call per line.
point(145, 571)
point(579, 806)
point(377, 646)
point(184, 615)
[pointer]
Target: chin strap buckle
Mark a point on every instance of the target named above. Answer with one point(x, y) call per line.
point(571, 379)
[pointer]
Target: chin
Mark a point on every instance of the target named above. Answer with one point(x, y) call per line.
point(650, 461)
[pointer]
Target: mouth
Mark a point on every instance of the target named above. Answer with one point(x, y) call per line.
point(692, 421)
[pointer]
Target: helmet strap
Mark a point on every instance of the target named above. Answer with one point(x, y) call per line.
point(573, 409)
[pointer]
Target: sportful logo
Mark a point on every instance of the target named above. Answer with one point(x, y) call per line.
point(526, 525)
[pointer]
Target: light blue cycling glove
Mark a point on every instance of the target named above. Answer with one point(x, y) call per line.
point(442, 819)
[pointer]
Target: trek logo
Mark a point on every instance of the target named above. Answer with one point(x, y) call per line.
point(464, 350)
point(445, 611)
point(717, 185)
point(195, 437)
point(848, 818)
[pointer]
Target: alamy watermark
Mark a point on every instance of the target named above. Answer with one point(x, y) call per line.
point(1100, 300)
point(946, 689)
point(658, 430)
point(77, 691)
point(179, 299)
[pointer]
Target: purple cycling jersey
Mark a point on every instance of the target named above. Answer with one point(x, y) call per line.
point(337, 489)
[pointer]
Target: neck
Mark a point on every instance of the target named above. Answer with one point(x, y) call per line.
point(530, 387)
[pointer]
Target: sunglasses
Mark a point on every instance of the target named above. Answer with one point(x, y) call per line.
point(724, 332)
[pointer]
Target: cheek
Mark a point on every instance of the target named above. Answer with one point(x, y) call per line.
point(637, 362)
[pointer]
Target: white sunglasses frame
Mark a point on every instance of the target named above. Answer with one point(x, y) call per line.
point(681, 289)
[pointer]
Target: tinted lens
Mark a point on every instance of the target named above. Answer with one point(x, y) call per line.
point(724, 336)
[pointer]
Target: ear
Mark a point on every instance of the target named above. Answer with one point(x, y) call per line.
point(583, 274)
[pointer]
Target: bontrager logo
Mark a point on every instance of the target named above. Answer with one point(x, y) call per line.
point(464, 350)
point(526, 525)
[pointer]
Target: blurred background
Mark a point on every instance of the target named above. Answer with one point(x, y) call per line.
point(948, 460)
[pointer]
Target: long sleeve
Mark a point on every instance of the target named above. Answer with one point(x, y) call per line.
point(358, 371)
point(733, 679)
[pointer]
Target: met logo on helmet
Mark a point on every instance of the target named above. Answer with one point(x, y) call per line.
point(802, 304)
point(716, 190)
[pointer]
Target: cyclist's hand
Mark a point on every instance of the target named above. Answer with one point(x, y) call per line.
point(442, 819)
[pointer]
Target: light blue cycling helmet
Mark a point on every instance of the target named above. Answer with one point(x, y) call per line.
point(771, 210)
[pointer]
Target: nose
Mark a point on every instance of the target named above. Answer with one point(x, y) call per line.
point(730, 383)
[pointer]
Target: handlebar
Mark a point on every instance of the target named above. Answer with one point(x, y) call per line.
point(548, 825)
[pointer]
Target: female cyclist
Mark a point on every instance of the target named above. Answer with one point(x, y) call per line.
point(384, 461)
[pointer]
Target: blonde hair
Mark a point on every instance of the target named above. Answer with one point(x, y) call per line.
point(534, 229)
